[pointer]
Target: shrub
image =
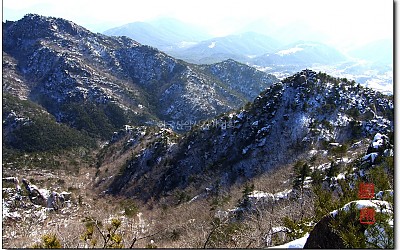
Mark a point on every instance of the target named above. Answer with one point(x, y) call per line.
point(356, 235)
point(296, 229)
point(48, 241)
point(108, 236)
point(130, 208)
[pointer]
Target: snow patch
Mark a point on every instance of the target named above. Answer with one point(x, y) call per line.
point(265, 195)
point(212, 45)
point(260, 194)
point(341, 176)
point(378, 205)
point(298, 243)
point(289, 51)
point(186, 44)
point(378, 141)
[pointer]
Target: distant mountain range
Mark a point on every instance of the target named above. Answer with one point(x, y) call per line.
point(378, 52)
point(166, 34)
point(301, 53)
point(242, 47)
point(370, 64)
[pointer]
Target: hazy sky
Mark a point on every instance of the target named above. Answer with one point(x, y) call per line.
point(340, 22)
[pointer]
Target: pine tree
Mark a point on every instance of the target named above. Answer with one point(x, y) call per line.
point(248, 189)
point(301, 170)
point(110, 237)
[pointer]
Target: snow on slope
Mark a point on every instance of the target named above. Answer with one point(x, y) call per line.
point(378, 205)
point(297, 243)
point(289, 51)
point(212, 45)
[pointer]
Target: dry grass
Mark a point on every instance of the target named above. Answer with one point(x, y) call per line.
point(162, 223)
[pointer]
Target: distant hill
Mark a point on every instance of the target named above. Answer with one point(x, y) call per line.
point(240, 47)
point(305, 53)
point(165, 34)
point(378, 52)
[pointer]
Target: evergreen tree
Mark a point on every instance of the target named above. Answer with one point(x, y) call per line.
point(301, 170)
point(245, 201)
point(332, 171)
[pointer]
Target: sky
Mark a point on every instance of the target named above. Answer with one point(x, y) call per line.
point(344, 23)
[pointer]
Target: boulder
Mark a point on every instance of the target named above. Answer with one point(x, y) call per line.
point(322, 236)
point(35, 195)
point(13, 180)
point(379, 144)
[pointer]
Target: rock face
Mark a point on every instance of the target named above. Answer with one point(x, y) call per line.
point(322, 236)
point(63, 66)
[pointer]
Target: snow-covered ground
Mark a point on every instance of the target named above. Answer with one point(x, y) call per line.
point(297, 243)
point(265, 195)
point(378, 205)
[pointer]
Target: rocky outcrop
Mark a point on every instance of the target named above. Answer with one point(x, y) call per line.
point(13, 180)
point(37, 197)
point(46, 198)
point(322, 236)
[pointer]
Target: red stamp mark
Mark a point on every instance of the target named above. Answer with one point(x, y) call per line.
point(366, 191)
point(367, 216)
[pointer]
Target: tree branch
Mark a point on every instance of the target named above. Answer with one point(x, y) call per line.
point(143, 237)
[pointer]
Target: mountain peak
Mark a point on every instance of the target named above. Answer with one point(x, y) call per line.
point(33, 26)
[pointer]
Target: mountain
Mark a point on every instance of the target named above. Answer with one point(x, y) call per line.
point(270, 49)
point(239, 47)
point(96, 83)
point(377, 52)
point(301, 53)
point(142, 32)
point(239, 77)
point(305, 111)
point(194, 45)
point(286, 34)
point(165, 34)
point(284, 167)
point(111, 143)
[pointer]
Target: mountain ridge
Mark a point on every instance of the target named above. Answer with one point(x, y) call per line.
point(370, 65)
point(61, 63)
point(305, 111)
point(105, 122)
point(163, 33)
